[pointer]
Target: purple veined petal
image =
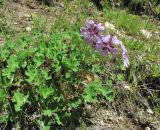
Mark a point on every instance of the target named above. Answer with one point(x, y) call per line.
point(99, 46)
point(125, 60)
point(116, 41)
point(106, 39)
point(84, 34)
point(125, 56)
point(124, 51)
point(110, 48)
point(88, 36)
point(99, 27)
point(83, 31)
point(98, 39)
point(89, 23)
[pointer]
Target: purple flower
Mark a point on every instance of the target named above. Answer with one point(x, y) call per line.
point(89, 23)
point(125, 56)
point(124, 51)
point(115, 40)
point(104, 44)
point(106, 39)
point(99, 27)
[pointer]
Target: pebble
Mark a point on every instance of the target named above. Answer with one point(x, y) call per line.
point(1, 41)
point(150, 111)
point(126, 86)
point(27, 16)
point(146, 33)
point(110, 26)
point(147, 128)
point(102, 123)
point(28, 29)
point(119, 33)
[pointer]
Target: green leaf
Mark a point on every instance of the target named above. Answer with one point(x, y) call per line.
point(45, 92)
point(3, 94)
point(38, 59)
point(107, 93)
point(94, 88)
point(47, 112)
point(97, 68)
point(4, 118)
point(33, 75)
point(75, 104)
point(4, 53)
point(23, 54)
point(45, 74)
point(20, 99)
point(120, 77)
point(68, 75)
point(90, 93)
point(56, 65)
point(12, 65)
point(42, 125)
point(46, 127)
point(57, 118)
point(71, 63)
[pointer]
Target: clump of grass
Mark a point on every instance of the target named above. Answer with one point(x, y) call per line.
point(5, 28)
point(129, 22)
point(1, 2)
point(138, 7)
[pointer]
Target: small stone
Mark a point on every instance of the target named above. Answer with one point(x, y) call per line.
point(88, 107)
point(110, 26)
point(156, 32)
point(146, 33)
point(120, 118)
point(69, 109)
point(150, 111)
point(102, 123)
point(28, 29)
point(126, 86)
point(1, 41)
point(27, 16)
point(147, 128)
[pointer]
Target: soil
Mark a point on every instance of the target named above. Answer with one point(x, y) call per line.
point(19, 14)
point(128, 112)
point(115, 117)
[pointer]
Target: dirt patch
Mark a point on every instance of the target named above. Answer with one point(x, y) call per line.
point(129, 111)
point(19, 14)
point(108, 119)
point(2, 40)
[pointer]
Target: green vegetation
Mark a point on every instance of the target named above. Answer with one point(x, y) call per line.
point(137, 6)
point(129, 22)
point(47, 76)
point(1, 2)
point(42, 73)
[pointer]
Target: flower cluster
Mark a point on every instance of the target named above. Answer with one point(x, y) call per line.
point(92, 33)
